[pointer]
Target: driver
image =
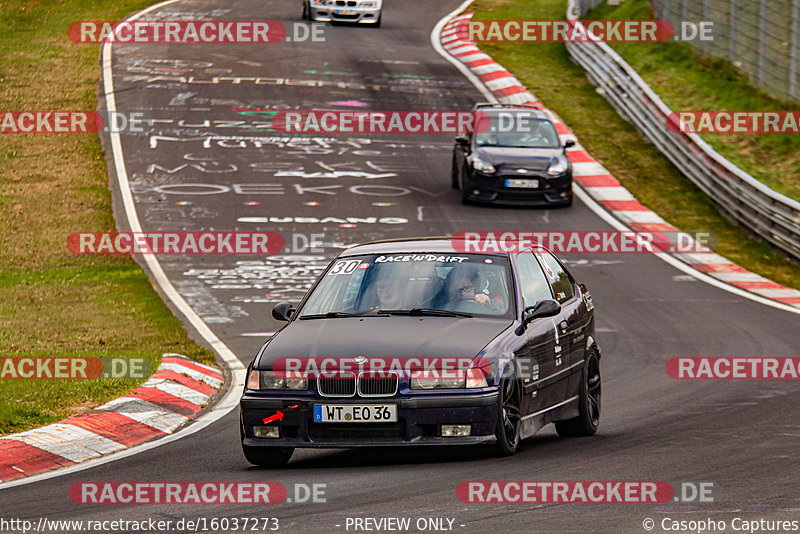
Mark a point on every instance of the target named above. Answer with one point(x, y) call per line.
point(539, 135)
point(463, 286)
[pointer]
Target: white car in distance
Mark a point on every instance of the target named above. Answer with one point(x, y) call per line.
point(361, 11)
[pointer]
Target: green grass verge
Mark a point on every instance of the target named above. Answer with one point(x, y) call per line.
point(54, 303)
point(547, 70)
point(688, 80)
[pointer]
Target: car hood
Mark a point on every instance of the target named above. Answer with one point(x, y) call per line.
point(385, 337)
point(535, 159)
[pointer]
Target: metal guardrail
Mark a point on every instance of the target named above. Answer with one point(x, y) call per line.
point(747, 201)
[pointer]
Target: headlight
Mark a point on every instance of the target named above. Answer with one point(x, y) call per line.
point(559, 166)
point(369, 3)
point(471, 378)
point(482, 166)
point(263, 380)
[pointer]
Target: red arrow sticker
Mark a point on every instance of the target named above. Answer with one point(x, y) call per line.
point(278, 416)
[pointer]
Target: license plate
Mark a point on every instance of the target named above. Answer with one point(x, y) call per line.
point(346, 12)
point(520, 182)
point(355, 413)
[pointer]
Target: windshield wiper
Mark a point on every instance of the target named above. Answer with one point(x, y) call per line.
point(434, 312)
point(336, 315)
point(528, 146)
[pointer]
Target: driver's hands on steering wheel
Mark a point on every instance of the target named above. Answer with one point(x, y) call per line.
point(482, 298)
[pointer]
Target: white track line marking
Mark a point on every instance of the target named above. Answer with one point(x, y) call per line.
point(456, 63)
point(230, 399)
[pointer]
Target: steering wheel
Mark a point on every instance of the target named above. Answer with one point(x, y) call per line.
point(468, 305)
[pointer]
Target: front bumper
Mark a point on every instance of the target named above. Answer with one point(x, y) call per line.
point(419, 421)
point(328, 13)
point(491, 189)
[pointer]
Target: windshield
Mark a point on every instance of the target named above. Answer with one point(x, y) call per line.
point(516, 130)
point(412, 284)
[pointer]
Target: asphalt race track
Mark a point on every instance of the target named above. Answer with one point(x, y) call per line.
point(211, 163)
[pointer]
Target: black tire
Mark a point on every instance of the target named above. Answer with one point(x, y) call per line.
point(588, 419)
point(378, 24)
point(268, 456)
point(306, 15)
point(509, 421)
point(454, 174)
point(463, 187)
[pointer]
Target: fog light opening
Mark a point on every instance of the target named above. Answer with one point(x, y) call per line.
point(266, 432)
point(456, 431)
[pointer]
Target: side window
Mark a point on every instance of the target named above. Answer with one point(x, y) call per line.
point(558, 277)
point(533, 284)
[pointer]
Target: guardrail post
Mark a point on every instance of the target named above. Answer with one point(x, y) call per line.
point(793, 54)
point(762, 42)
point(734, 20)
point(704, 45)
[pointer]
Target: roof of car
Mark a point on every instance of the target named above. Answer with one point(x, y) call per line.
point(442, 244)
point(490, 107)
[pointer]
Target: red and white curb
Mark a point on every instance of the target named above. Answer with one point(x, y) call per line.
point(176, 392)
point(597, 181)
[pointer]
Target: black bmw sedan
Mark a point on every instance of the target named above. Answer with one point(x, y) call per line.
point(514, 156)
point(416, 342)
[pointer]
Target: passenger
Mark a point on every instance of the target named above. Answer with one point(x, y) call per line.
point(390, 293)
point(386, 294)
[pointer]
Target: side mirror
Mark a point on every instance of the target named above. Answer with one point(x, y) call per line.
point(282, 311)
point(543, 308)
point(462, 140)
point(569, 142)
